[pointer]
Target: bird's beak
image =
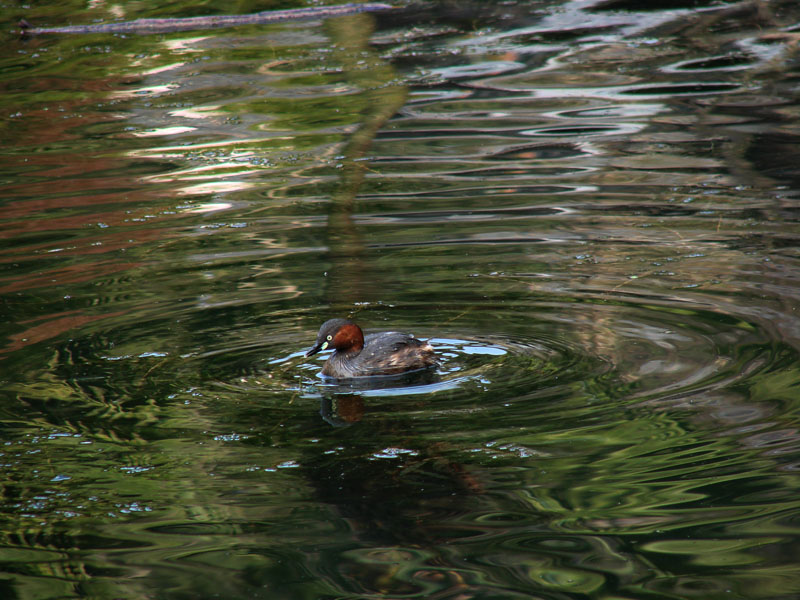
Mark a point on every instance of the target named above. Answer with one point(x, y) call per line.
point(317, 348)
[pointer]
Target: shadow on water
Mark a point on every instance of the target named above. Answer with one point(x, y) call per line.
point(365, 479)
point(349, 281)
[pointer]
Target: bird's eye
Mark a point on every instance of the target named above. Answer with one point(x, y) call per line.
point(329, 338)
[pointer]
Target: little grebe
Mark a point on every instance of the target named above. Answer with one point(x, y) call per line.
point(386, 353)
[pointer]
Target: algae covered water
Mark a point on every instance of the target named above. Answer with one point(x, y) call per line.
point(589, 207)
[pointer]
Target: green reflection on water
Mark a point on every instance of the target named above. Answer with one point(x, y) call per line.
point(615, 414)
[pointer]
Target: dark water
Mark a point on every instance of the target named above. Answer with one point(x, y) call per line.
point(590, 207)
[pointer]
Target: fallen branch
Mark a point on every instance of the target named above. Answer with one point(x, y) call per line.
point(148, 26)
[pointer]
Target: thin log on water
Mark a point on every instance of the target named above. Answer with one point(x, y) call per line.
point(147, 26)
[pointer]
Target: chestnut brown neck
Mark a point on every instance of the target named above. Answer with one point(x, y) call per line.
point(349, 339)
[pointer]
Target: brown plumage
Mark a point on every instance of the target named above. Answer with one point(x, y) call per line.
point(385, 353)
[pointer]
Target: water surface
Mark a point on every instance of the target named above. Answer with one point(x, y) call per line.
point(590, 208)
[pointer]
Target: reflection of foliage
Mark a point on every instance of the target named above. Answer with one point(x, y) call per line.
point(779, 384)
point(638, 435)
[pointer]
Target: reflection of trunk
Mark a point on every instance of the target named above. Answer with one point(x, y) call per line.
point(347, 281)
point(146, 26)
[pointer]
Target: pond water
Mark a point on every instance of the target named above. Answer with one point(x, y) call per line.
point(589, 207)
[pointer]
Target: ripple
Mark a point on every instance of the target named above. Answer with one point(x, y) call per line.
point(641, 351)
point(579, 207)
point(727, 62)
point(681, 89)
